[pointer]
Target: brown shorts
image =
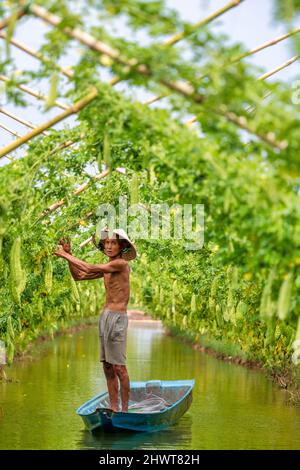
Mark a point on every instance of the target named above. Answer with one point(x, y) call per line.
point(113, 327)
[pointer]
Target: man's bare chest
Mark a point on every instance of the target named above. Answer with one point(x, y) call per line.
point(112, 280)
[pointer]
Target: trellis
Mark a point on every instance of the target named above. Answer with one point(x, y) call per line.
point(183, 88)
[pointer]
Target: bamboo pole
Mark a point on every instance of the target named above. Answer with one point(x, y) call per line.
point(179, 36)
point(154, 99)
point(278, 69)
point(37, 55)
point(79, 190)
point(31, 92)
point(71, 110)
point(21, 12)
point(266, 44)
point(241, 121)
point(10, 131)
point(18, 119)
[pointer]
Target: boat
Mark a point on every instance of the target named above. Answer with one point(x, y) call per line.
point(152, 406)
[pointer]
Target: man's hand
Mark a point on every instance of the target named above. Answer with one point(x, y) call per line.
point(60, 252)
point(64, 247)
point(65, 244)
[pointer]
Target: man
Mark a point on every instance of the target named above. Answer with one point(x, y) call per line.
point(113, 321)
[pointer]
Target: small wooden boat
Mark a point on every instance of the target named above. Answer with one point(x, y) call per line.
point(152, 406)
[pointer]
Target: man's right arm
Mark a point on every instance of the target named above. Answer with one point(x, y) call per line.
point(80, 270)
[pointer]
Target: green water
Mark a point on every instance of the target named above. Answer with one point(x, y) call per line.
point(233, 407)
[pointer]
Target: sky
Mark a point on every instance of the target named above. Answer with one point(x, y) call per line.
point(250, 23)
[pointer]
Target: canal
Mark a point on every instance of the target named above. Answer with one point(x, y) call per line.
point(233, 407)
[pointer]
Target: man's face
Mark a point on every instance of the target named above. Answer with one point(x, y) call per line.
point(111, 247)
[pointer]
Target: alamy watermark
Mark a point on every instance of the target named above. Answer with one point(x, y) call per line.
point(155, 221)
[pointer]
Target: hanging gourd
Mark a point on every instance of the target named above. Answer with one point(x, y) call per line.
point(10, 31)
point(104, 157)
point(106, 151)
point(17, 274)
point(193, 303)
point(48, 276)
point(10, 328)
point(74, 290)
point(227, 200)
point(174, 297)
point(53, 92)
point(271, 329)
point(241, 310)
point(284, 298)
point(265, 309)
point(134, 189)
point(161, 296)
point(152, 175)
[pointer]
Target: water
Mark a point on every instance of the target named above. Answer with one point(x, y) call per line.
point(233, 407)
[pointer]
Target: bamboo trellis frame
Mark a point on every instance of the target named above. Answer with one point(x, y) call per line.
point(69, 73)
point(176, 38)
point(280, 67)
point(32, 92)
point(267, 44)
point(20, 120)
point(10, 131)
point(70, 110)
point(104, 49)
point(21, 12)
point(233, 117)
point(100, 46)
point(180, 87)
point(37, 55)
point(179, 36)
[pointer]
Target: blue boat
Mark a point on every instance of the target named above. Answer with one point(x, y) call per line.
point(153, 406)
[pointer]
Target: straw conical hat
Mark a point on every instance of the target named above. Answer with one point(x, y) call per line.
point(129, 253)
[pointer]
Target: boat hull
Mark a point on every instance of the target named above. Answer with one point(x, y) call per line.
point(109, 420)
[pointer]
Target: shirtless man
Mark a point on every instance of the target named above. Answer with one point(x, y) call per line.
point(113, 321)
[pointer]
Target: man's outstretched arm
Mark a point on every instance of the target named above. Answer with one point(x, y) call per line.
point(79, 269)
point(83, 270)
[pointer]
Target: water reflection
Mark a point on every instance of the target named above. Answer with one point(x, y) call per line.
point(177, 436)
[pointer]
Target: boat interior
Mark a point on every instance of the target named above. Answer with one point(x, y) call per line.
point(151, 398)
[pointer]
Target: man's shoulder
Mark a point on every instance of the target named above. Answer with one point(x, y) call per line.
point(119, 262)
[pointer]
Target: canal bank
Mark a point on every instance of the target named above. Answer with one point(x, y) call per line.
point(287, 378)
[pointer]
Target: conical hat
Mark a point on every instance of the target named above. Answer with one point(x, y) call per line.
point(129, 253)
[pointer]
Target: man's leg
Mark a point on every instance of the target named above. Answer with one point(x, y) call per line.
point(112, 385)
point(122, 373)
